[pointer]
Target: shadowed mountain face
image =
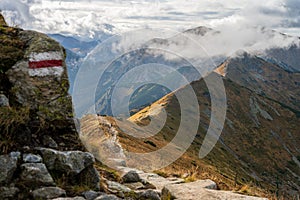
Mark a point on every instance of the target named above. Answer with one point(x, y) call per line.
point(288, 58)
point(264, 78)
point(147, 93)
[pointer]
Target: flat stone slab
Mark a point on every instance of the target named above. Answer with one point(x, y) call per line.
point(201, 190)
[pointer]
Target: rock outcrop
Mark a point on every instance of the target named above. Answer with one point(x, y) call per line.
point(41, 172)
point(69, 162)
point(34, 99)
point(131, 177)
point(36, 113)
point(99, 136)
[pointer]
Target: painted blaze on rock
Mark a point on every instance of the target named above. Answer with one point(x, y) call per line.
point(36, 84)
point(40, 79)
point(46, 64)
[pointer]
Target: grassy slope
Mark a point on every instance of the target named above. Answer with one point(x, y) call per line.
point(252, 156)
point(264, 78)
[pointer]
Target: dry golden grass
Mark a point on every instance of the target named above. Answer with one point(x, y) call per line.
point(220, 165)
point(12, 120)
point(247, 147)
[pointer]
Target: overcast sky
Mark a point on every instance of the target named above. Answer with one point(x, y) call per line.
point(87, 17)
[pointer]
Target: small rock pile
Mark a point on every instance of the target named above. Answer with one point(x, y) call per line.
point(38, 174)
point(133, 187)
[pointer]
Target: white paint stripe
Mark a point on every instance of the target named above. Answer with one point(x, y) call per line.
point(51, 71)
point(52, 55)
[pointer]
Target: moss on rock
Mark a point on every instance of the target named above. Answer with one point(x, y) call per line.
point(11, 47)
point(44, 98)
point(2, 20)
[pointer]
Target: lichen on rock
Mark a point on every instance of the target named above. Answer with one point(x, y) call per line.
point(33, 77)
point(36, 112)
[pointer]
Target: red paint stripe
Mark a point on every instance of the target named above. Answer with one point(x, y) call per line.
point(45, 64)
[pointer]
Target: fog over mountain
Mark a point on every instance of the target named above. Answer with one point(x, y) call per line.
point(240, 25)
point(87, 17)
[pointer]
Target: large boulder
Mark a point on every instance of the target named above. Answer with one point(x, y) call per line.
point(131, 177)
point(77, 166)
point(90, 176)
point(69, 162)
point(34, 83)
point(39, 80)
point(35, 174)
point(200, 190)
point(148, 195)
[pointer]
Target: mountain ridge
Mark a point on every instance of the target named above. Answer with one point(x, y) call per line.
point(257, 111)
point(265, 78)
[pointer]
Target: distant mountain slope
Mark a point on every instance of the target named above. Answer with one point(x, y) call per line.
point(200, 30)
point(258, 130)
point(153, 51)
point(288, 58)
point(261, 125)
point(127, 62)
point(211, 41)
point(264, 78)
point(75, 45)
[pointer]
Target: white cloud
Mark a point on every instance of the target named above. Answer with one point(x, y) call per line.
point(86, 17)
point(226, 42)
point(16, 12)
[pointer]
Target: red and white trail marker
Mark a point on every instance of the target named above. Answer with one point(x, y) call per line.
point(46, 64)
